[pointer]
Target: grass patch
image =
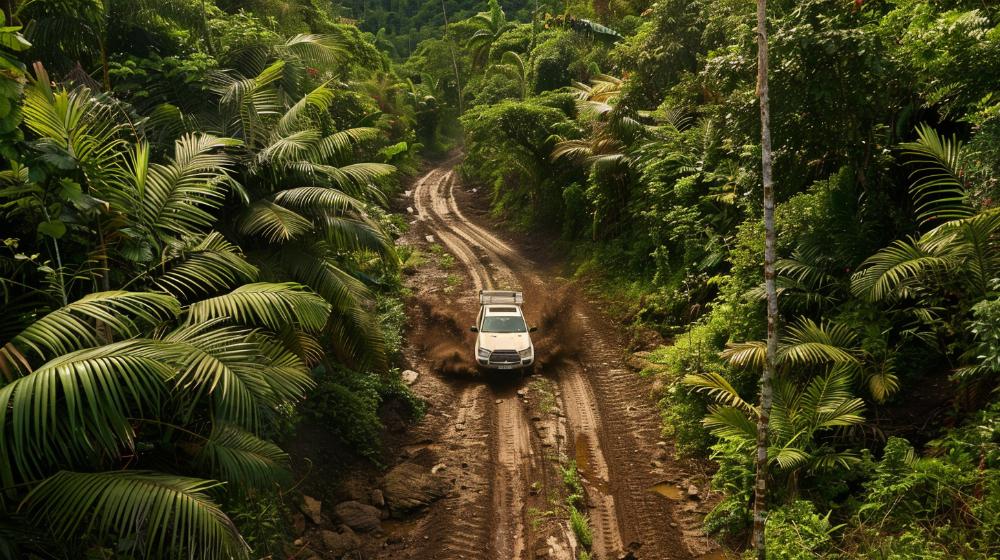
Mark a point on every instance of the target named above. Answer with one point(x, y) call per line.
point(580, 524)
point(538, 516)
point(546, 396)
point(578, 520)
point(446, 261)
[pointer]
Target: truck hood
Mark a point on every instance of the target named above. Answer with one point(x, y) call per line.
point(504, 341)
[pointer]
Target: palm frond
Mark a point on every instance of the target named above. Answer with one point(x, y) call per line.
point(273, 222)
point(730, 423)
point(789, 457)
point(318, 199)
point(894, 271)
point(272, 305)
point(809, 343)
point(75, 326)
point(80, 402)
point(179, 198)
point(320, 50)
point(243, 459)
point(319, 99)
point(719, 388)
point(828, 400)
point(939, 187)
point(148, 514)
point(339, 144)
point(212, 264)
point(750, 354)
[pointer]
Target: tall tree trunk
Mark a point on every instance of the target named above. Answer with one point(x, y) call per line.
point(454, 61)
point(766, 381)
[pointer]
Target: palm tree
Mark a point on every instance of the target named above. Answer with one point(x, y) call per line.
point(127, 405)
point(613, 128)
point(490, 25)
point(300, 233)
point(959, 253)
point(800, 416)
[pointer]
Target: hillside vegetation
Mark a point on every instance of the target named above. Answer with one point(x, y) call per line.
point(631, 132)
point(193, 200)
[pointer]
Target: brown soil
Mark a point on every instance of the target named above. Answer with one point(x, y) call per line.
point(502, 441)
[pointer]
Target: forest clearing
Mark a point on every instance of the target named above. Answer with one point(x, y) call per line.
point(500, 279)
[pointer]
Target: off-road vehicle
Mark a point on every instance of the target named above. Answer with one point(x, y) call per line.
point(502, 336)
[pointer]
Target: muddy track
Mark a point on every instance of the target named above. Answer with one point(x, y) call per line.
point(611, 437)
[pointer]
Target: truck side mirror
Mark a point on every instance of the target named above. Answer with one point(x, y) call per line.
point(533, 329)
point(473, 329)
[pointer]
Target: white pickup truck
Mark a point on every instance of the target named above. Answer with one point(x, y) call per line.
point(502, 336)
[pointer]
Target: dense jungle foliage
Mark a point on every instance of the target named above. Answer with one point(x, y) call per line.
point(195, 239)
point(192, 197)
point(631, 131)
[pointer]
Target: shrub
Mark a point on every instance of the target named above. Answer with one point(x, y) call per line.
point(796, 532)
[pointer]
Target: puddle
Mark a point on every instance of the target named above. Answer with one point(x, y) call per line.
point(582, 454)
point(671, 492)
point(720, 554)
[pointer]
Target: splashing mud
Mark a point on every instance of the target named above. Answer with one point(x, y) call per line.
point(446, 343)
point(559, 334)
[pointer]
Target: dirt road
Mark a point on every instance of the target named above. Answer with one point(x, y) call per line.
point(506, 444)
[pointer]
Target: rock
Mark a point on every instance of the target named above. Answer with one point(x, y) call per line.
point(475, 190)
point(298, 542)
point(636, 362)
point(522, 392)
point(409, 376)
point(438, 468)
point(340, 544)
point(655, 464)
point(409, 486)
point(358, 516)
point(661, 444)
point(298, 523)
point(692, 492)
point(407, 193)
point(409, 209)
point(378, 500)
point(429, 238)
point(313, 508)
point(499, 401)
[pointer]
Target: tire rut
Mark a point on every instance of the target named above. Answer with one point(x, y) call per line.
point(515, 461)
point(611, 434)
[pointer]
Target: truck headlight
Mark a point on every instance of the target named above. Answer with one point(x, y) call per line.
point(484, 353)
point(526, 353)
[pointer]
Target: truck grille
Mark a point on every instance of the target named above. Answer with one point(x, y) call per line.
point(505, 357)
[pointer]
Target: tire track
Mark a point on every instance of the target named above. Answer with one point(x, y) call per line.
point(616, 426)
point(514, 459)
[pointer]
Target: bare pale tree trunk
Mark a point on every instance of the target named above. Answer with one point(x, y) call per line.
point(766, 380)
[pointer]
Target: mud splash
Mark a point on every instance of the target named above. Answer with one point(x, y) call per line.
point(559, 334)
point(446, 343)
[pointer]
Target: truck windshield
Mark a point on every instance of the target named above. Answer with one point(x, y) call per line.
point(502, 324)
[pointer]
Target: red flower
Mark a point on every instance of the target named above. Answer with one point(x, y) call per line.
point(312, 71)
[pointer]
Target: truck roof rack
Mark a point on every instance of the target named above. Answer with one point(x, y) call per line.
point(489, 297)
